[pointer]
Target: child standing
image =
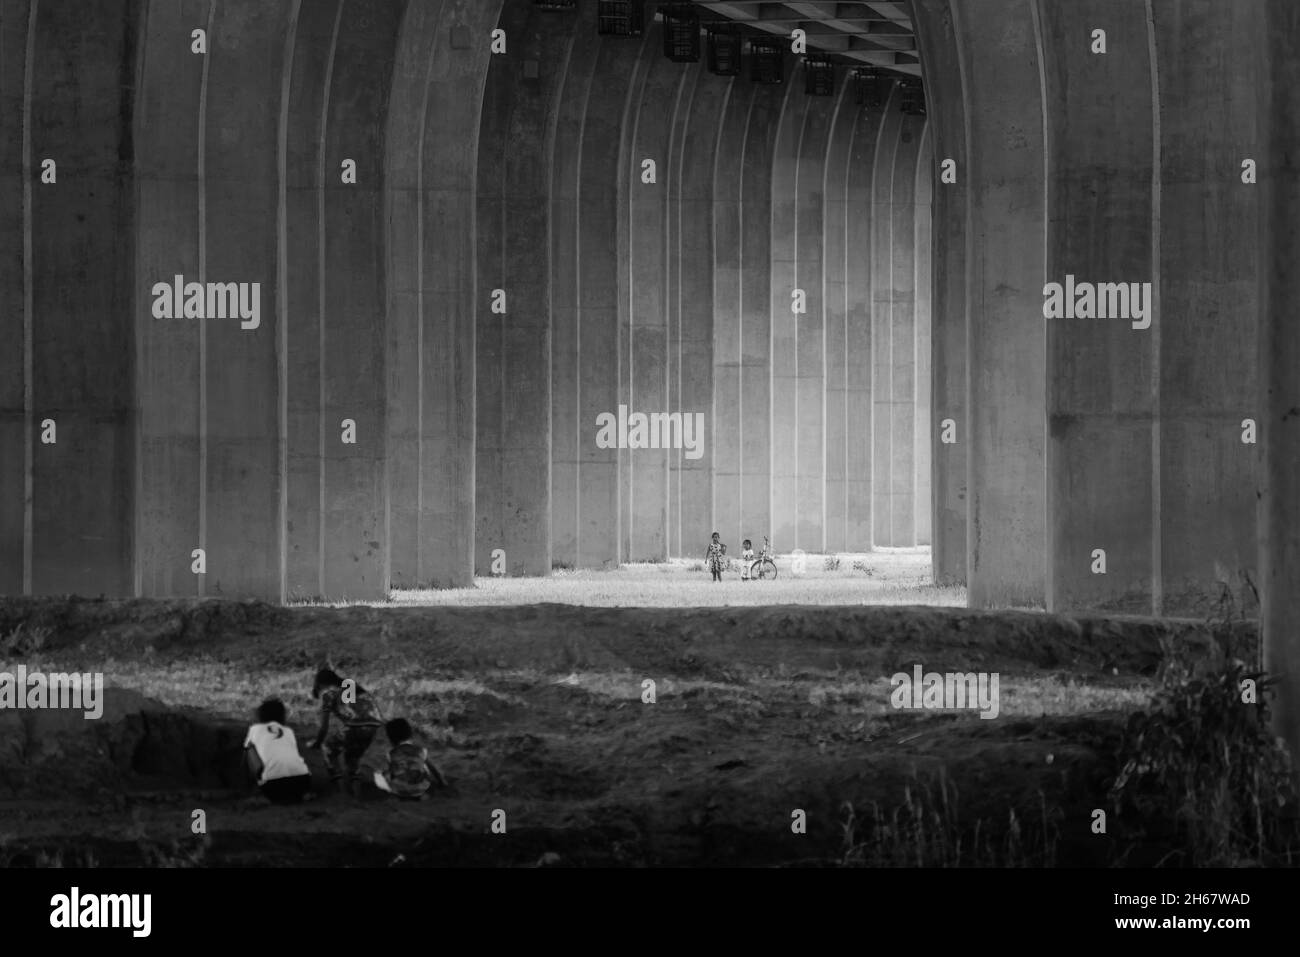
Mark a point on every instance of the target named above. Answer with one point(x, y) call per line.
point(714, 557)
point(271, 751)
point(746, 559)
point(410, 771)
point(358, 723)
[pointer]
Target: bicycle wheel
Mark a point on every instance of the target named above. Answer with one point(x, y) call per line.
point(762, 569)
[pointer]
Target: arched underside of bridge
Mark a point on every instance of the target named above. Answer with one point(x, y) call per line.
point(850, 299)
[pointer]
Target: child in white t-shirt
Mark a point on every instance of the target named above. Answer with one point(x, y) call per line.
point(746, 559)
point(271, 751)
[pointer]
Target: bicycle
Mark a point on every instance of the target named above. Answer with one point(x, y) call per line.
point(763, 566)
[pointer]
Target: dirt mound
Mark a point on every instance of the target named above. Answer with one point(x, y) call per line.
point(137, 744)
point(703, 642)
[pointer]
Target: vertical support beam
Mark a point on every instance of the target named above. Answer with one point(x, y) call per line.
point(731, 412)
point(513, 500)
point(860, 332)
point(645, 223)
point(756, 310)
point(691, 495)
point(810, 327)
point(1279, 352)
point(947, 123)
point(785, 323)
point(354, 550)
point(315, 43)
point(839, 428)
point(570, 433)
point(78, 329)
point(902, 333)
point(883, 255)
point(1005, 265)
point(922, 390)
point(1209, 286)
point(16, 438)
point(1102, 396)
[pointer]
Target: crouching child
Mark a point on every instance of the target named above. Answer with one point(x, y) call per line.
point(410, 773)
point(272, 758)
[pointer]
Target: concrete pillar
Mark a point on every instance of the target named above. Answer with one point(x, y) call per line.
point(1005, 266)
point(68, 323)
point(569, 433)
point(1102, 396)
point(315, 41)
point(839, 431)
point(513, 477)
point(785, 323)
point(756, 310)
point(246, 65)
point(1279, 357)
point(602, 185)
point(921, 390)
point(810, 326)
point(441, 65)
point(859, 295)
point(903, 335)
point(885, 456)
point(16, 437)
point(1209, 291)
point(691, 498)
point(656, 98)
point(730, 412)
point(336, 521)
point(945, 111)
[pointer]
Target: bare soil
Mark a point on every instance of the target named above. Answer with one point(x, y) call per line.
point(741, 735)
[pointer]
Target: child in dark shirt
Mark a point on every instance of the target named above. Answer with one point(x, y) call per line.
point(358, 721)
point(410, 772)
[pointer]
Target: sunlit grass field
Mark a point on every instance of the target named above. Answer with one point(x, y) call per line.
point(882, 577)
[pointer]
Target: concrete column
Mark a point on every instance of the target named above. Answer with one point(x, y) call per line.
point(315, 42)
point(756, 311)
point(645, 389)
point(443, 51)
point(513, 388)
point(691, 497)
point(569, 433)
point(947, 124)
point(859, 286)
point(1102, 395)
point(903, 334)
point(885, 456)
point(16, 437)
point(1005, 266)
point(69, 338)
point(730, 412)
point(785, 325)
point(246, 64)
point(1279, 352)
point(336, 522)
point(603, 180)
point(921, 391)
point(818, 112)
point(839, 431)
point(1209, 287)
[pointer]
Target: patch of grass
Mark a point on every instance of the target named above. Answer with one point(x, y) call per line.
point(926, 830)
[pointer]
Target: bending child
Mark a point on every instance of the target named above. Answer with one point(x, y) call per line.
point(271, 753)
point(358, 722)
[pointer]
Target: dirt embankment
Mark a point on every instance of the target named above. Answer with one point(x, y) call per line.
point(709, 775)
